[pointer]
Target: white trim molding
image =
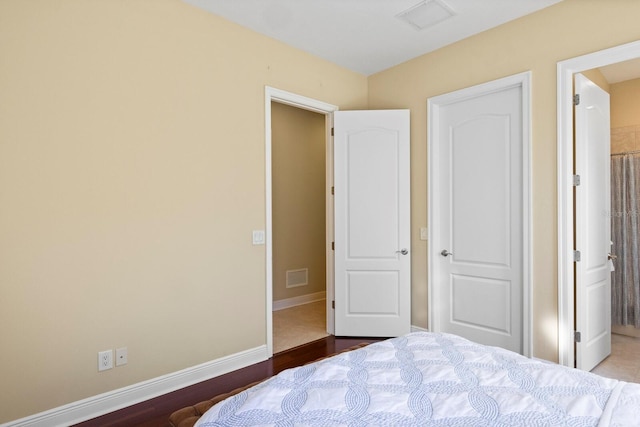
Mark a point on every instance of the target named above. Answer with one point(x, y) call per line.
point(522, 80)
point(566, 296)
point(111, 401)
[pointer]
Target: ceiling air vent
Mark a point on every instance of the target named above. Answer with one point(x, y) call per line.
point(426, 14)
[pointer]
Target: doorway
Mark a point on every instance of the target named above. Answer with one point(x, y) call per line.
point(625, 209)
point(622, 82)
point(372, 138)
point(566, 210)
point(309, 104)
point(298, 155)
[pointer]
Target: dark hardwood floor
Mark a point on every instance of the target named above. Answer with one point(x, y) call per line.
point(156, 412)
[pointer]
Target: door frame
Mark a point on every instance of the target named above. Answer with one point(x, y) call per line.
point(277, 95)
point(433, 107)
point(566, 276)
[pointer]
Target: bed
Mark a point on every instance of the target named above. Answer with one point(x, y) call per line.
point(429, 379)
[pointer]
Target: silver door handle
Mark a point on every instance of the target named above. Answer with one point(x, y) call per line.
point(612, 256)
point(402, 251)
point(445, 253)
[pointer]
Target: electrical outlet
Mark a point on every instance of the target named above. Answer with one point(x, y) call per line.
point(121, 356)
point(105, 360)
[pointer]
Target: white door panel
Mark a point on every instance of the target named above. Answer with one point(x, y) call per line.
point(593, 225)
point(468, 291)
point(369, 188)
point(486, 198)
point(372, 223)
point(477, 211)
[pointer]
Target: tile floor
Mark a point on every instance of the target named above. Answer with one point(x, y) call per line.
point(299, 325)
point(624, 361)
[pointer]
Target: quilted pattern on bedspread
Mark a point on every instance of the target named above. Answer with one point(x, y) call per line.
point(624, 407)
point(421, 379)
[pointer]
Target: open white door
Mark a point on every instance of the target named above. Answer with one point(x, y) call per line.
point(593, 224)
point(479, 213)
point(372, 223)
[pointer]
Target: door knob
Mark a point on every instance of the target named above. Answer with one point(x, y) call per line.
point(402, 251)
point(445, 253)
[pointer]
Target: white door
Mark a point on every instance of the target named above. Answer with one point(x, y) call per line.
point(478, 205)
point(372, 223)
point(593, 224)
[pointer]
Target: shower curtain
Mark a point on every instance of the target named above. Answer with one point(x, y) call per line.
point(625, 234)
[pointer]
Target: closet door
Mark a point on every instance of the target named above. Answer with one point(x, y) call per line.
point(479, 213)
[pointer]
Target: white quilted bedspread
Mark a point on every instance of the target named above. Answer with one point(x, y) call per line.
point(428, 379)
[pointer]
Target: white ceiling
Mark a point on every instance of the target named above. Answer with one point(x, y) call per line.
point(365, 35)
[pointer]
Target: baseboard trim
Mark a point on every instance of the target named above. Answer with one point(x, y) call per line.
point(111, 401)
point(302, 299)
point(418, 329)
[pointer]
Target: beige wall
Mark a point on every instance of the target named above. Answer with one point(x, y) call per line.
point(598, 78)
point(535, 42)
point(625, 103)
point(298, 159)
point(131, 177)
point(625, 116)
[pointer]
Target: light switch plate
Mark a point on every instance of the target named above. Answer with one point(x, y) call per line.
point(258, 237)
point(424, 233)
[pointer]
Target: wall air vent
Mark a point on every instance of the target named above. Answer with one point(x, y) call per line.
point(426, 14)
point(297, 278)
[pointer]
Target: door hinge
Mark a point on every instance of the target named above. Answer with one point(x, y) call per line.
point(576, 99)
point(333, 246)
point(333, 191)
point(577, 337)
point(331, 131)
point(576, 180)
point(576, 256)
point(333, 304)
